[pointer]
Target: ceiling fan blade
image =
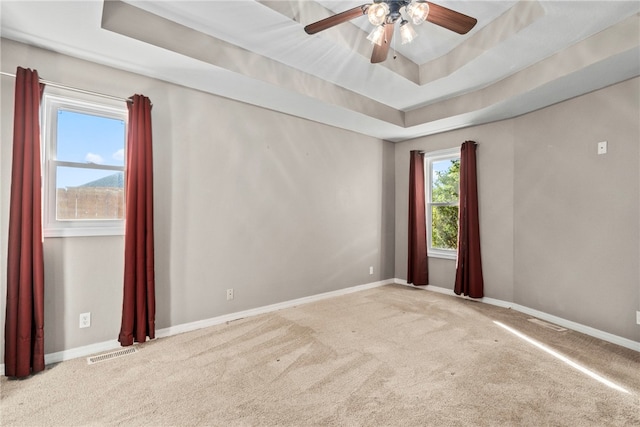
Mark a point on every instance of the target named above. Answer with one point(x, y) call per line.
point(450, 19)
point(339, 18)
point(380, 51)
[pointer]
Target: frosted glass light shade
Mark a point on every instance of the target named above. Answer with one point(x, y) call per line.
point(377, 13)
point(377, 35)
point(407, 33)
point(418, 11)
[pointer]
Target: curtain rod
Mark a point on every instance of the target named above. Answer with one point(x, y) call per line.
point(75, 89)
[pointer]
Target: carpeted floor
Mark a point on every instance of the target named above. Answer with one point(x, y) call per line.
point(389, 356)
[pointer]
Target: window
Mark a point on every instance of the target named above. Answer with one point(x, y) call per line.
point(84, 149)
point(442, 173)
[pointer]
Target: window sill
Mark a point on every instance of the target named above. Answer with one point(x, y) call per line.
point(443, 255)
point(83, 232)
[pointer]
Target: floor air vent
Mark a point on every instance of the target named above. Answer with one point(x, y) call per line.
point(112, 355)
point(547, 325)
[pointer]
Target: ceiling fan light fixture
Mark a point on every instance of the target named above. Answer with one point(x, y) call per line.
point(407, 33)
point(418, 11)
point(384, 14)
point(377, 13)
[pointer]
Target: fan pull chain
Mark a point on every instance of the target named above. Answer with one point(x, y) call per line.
point(395, 54)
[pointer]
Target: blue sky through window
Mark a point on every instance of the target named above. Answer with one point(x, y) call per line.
point(439, 166)
point(85, 138)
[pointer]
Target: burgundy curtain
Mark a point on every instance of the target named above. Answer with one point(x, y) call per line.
point(469, 266)
point(139, 304)
point(24, 323)
point(417, 269)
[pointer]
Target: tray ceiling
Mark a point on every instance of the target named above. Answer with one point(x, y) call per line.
point(521, 56)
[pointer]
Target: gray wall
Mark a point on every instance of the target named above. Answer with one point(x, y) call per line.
point(576, 212)
point(273, 206)
point(559, 223)
point(279, 208)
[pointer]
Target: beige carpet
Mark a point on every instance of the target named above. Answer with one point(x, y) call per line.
point(390, 356)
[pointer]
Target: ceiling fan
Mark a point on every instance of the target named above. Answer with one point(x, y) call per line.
point(385, 13)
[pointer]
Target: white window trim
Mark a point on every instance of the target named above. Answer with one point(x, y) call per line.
point(429, 158)
point(54, 99)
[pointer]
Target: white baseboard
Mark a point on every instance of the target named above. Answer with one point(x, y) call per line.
point(92, 349)
point(587, 330)
point(187, 327)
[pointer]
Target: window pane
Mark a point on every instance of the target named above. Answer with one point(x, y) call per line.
point(85, 138)
point(445, 180)
point(444, 227)
point(89, 194)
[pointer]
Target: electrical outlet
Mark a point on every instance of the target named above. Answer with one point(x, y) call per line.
point(229, 294)
point(85, 320)
point(371, 270)
point(638, 317)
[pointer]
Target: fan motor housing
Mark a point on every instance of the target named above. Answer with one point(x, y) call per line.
point(394, 9)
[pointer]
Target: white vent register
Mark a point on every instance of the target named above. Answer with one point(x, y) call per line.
point(112, 355)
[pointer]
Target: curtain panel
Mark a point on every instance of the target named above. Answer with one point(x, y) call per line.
point(469, 279)
point(139, 305)
point(24, 322)
point(417, 267)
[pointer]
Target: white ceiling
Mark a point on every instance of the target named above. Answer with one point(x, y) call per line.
point(521, 56)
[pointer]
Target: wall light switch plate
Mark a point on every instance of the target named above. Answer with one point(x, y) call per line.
point(602, 147)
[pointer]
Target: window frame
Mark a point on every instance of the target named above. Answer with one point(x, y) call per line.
point(53, 101)
point(429, 159)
